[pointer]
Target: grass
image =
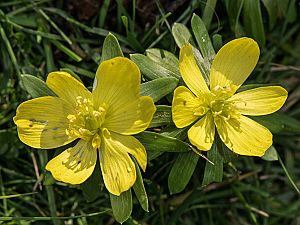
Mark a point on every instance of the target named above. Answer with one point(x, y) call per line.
point(43, 35)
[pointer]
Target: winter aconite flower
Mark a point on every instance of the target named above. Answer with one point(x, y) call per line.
point(101, 121)
point(220, 106)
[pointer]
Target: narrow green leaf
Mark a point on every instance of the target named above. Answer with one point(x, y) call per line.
point(35, 86)
point(24, 20)
point(54, 25)
point(162, 116)
point(208, 12)
point(234, 9)
point(203, 39)
point(93, 186)
point(290, 124)
point(10, 51)
point(173, 131)
point(139, 189)
point(111, 48)
point(217, 41)
point(203, 65)
point(213, 173)
point(67, 51)
point(224, 151)
point(253, 17)
point(49, 55)
point(103, 12)
point(274, 122)
point(182, 171)
point(157, 142)
point(17, 195)
point(181, 34)
point(151, 69)
point(121, 205)
point(158, 88)
point(270, 154)
point(288, 175)
point(153, 155)
point(79, 70)
point(271, 6)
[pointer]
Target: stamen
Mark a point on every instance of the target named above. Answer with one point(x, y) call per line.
point(86, 121)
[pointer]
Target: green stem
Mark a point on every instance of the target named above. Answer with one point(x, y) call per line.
point(288, 175)
point(49, 189)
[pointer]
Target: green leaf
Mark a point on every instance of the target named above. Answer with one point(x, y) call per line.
point(157, 142)
point(270, 154)
point(217, 41)
point(288, 123)
point(111, 48)
point(271, 6)
point(208, 12)
point(93, 186)
point(182, 171)
point(35, 86)
point(173, 131)
point(234, 9)
point(162, 116)
point(159, 88)
point(203, 40)
point(165, 57)
point(181, 34)
point(151, 69)
point(213, 173)
point(203, 65)
point(139, 189)
point(121, 205)
point(253, 20)
point(225, 152)
point(153, 155)
point(274, 122)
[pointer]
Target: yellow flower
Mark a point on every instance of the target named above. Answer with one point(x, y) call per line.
point(101, 121)
point(220, 106)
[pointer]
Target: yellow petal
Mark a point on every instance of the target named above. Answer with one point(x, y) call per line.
point(190, 72)
point(260, 101)
point(184, 105)
point(67, 87)
point(117, 83)
point(131, 118)
point(118, 169)
point(42, 122)
point(74, 165)
point(202, 133)
point(233, 63)
point(132, 146)
point(245, 136)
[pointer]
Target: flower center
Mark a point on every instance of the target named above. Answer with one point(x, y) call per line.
point(218, 105)
point(221, 108)
point(86, 123)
